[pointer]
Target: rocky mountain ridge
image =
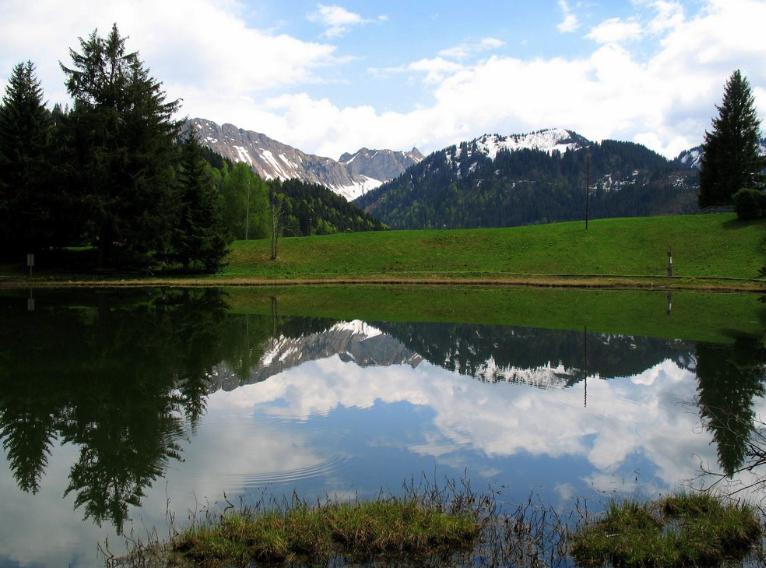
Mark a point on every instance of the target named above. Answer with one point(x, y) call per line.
point(351, 176)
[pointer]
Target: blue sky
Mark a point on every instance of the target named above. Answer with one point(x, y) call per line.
point(397, 33)
point(333, 76)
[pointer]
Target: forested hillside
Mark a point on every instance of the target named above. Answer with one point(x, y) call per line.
point(312, 209)
point(301, 208)
point(495, 182)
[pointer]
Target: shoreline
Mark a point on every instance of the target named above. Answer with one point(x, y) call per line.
point(658, 283)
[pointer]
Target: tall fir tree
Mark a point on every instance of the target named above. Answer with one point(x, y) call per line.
point(731, 378)
point(731, 158)
point(26, 203)
point(124, 136)
point(200, 237)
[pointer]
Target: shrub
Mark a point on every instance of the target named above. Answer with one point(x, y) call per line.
point(749, 203)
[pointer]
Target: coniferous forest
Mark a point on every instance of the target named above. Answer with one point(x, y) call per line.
point(531, 186)
point(118, 178)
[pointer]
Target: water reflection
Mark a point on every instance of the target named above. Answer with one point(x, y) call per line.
point(114, 377)
point(731, 377)
point(123, 381)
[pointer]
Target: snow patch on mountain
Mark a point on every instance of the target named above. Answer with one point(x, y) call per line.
point(358, 188)
point(357, 327)
point(243, 155)
point(692, 158)
point(548, 376)
point(549, 140)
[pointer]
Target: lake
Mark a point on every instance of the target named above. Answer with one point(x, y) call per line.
point(117, 406)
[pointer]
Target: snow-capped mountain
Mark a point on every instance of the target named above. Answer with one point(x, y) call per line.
point(537, 177)
point(691, 158)
point(270, 159)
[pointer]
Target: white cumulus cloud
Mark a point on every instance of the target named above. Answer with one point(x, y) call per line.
point(469, 48)
point(661, 91)
point(615, 30)
point(336, 19)
point(570, 22)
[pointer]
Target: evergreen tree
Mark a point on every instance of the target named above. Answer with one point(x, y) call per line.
point(125, 141)
point(731, 378)
point(200, 236)
point(25, 131)
point(730, 158)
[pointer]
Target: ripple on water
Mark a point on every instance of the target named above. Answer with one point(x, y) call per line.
point(324, 468)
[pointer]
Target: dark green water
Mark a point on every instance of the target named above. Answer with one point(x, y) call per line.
point(113, 404)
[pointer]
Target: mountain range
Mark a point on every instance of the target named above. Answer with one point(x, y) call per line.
point(351, 176)
point(538, 177)
point(493, 180)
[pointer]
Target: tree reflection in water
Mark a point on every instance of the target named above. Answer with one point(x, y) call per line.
point(124, 378)
point(119, 377)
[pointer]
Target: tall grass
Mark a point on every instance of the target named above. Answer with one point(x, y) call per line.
point(452, 525)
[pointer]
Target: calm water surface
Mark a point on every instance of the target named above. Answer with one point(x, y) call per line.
point(114, 404)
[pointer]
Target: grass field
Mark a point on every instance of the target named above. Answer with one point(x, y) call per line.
point(713, 252)
point(715, 245)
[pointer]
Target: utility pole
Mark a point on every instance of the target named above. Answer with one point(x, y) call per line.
point(587, 189)
point(247, 210)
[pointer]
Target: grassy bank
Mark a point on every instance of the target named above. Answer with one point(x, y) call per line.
point(360, 531)
point(676, 531)
point(715, 245)
point(709, 252)
point(432, 528)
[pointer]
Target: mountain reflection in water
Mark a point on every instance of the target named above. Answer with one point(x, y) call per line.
point(125, 381)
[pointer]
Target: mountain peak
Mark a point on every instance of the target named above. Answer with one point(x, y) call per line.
point(350, 177)
point(380, 164)
point(547, 140)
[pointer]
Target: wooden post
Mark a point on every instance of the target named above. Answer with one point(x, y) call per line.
point(670, 262)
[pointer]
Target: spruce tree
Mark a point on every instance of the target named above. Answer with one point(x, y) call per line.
point(731, 159)
point(200, 237)
point(124, 133)
point(25, 133)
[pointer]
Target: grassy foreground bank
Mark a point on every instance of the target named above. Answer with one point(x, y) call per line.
point(715, 252)
point(715, 245)
point(462, 529)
